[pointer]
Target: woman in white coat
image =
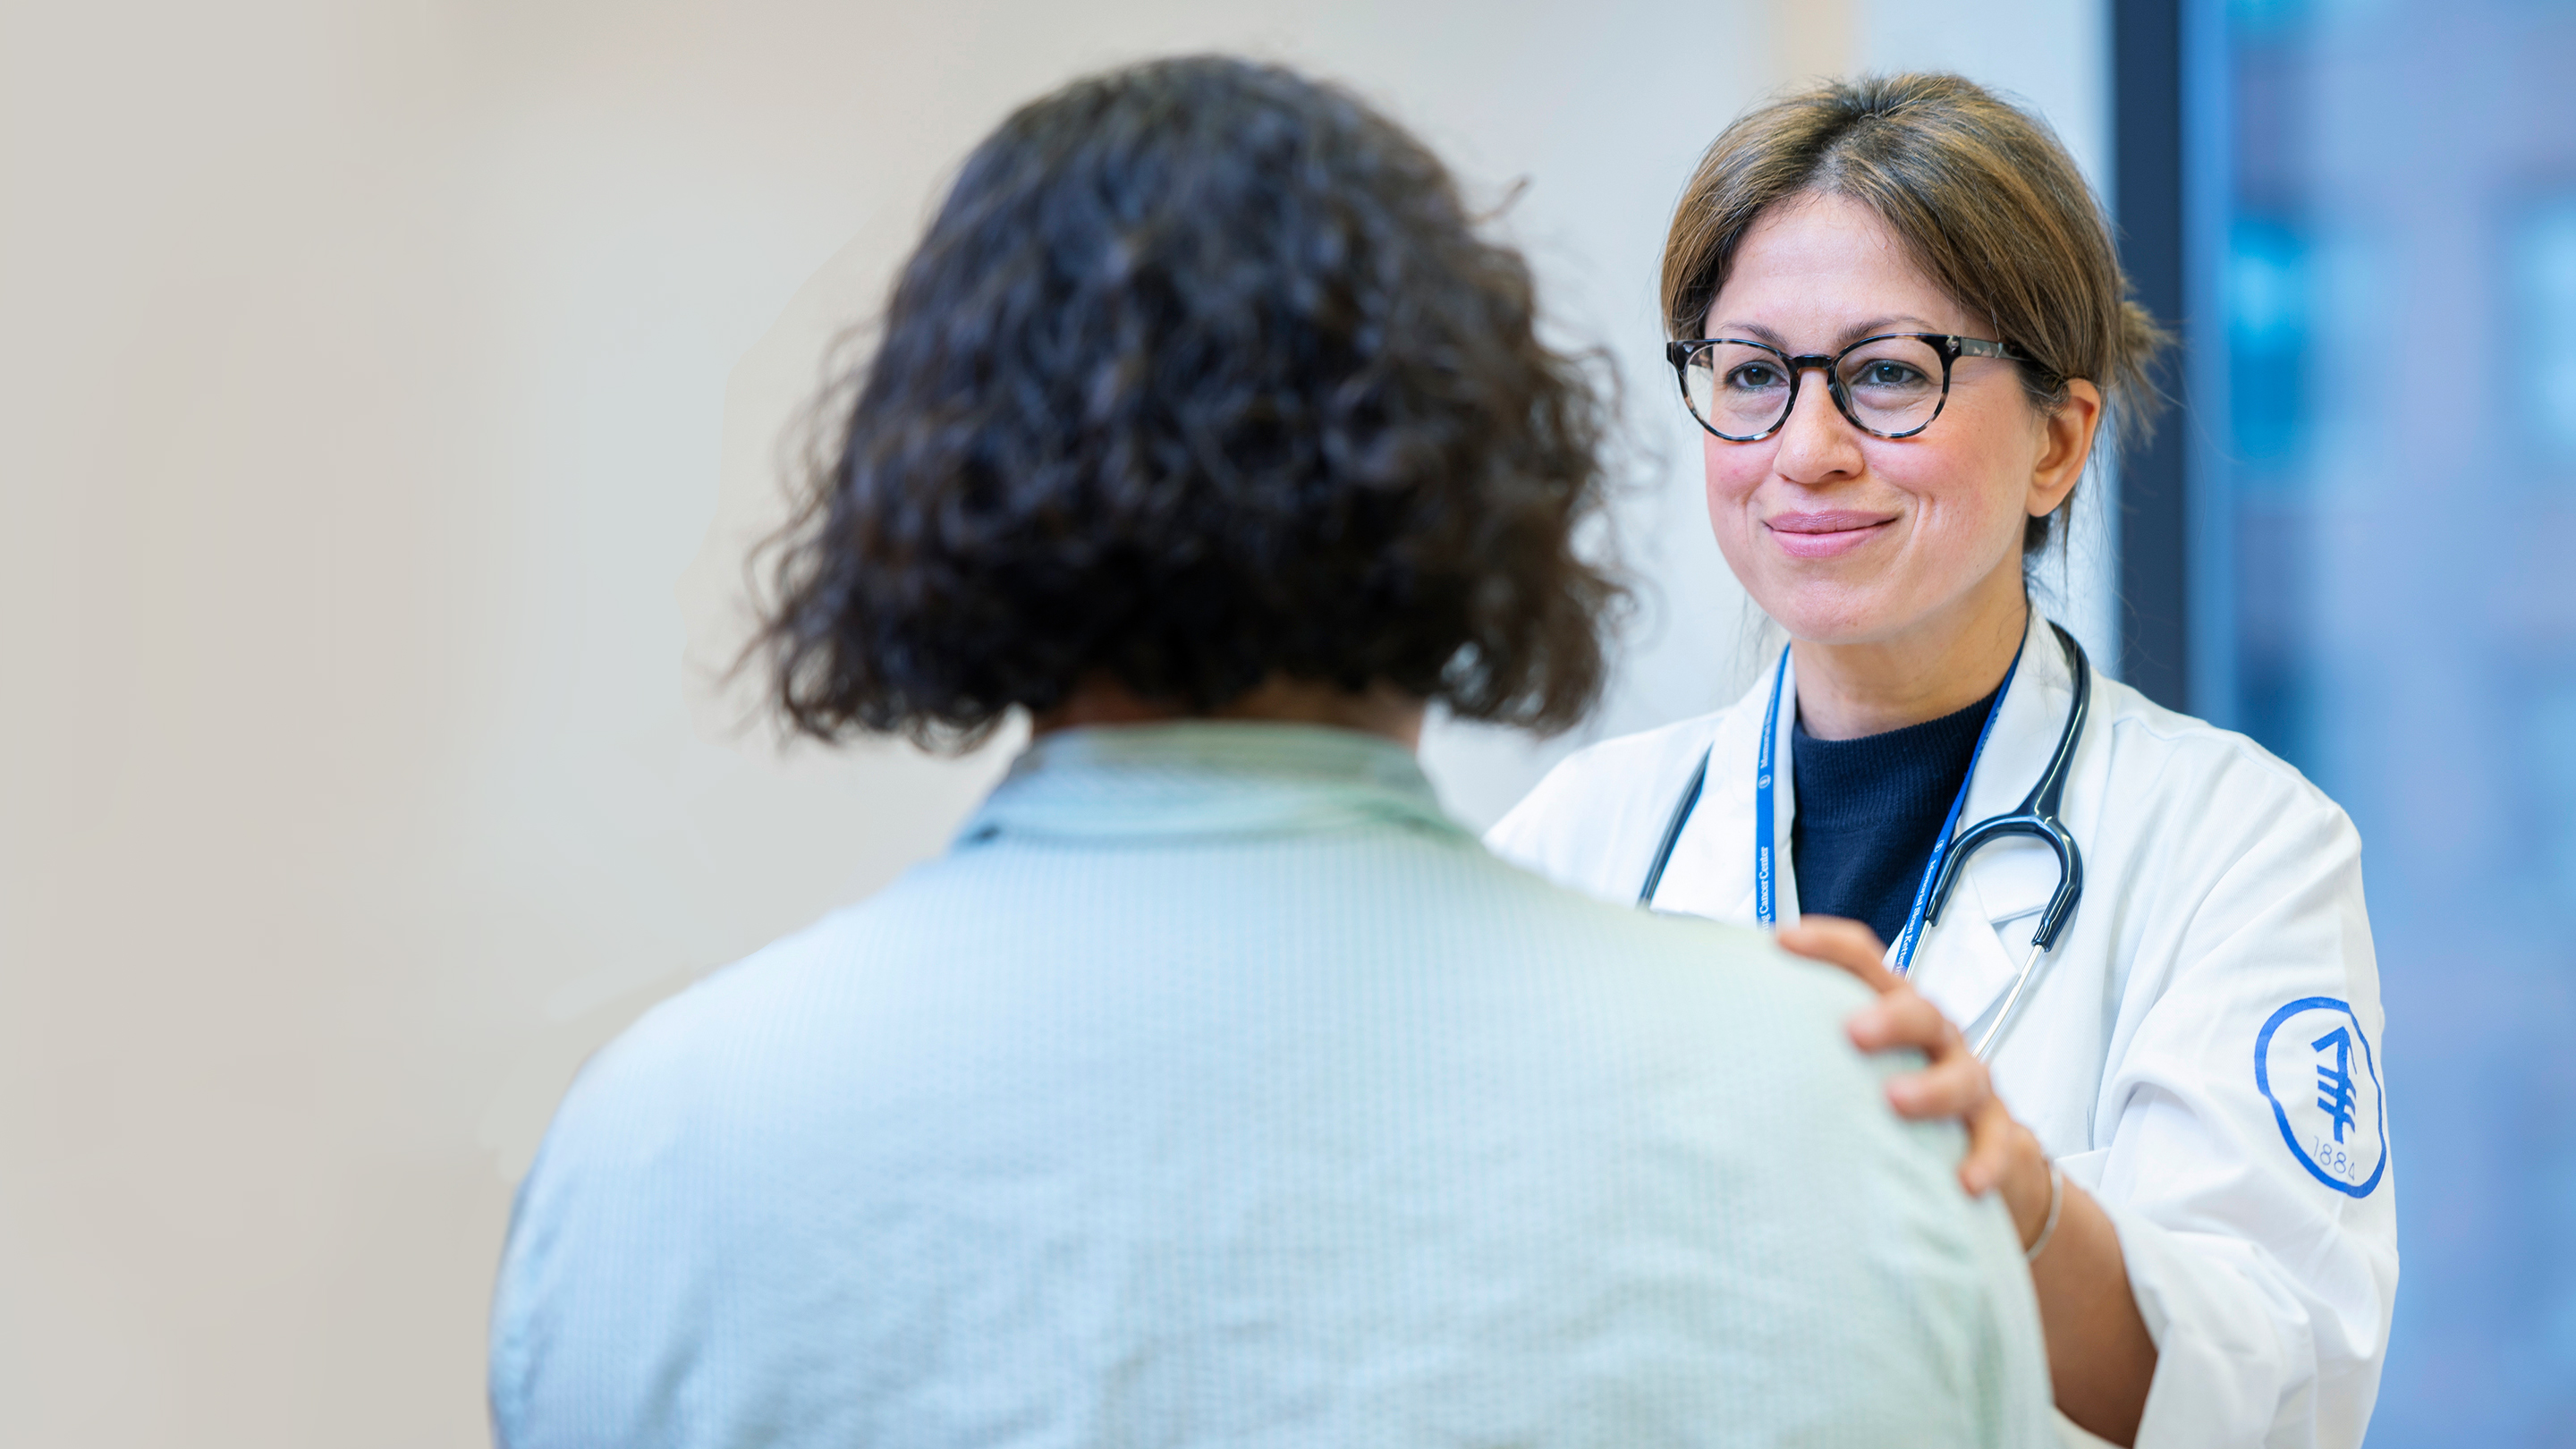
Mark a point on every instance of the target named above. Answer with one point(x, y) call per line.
point(1899, 320)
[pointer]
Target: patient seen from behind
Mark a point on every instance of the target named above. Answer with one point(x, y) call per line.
point(1215, 1088)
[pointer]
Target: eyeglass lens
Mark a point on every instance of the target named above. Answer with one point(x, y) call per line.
point(1743, 390)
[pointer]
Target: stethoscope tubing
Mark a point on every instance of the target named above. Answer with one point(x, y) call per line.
point(2037, 815)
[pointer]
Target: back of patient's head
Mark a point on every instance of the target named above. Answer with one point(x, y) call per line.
point(1201, 378)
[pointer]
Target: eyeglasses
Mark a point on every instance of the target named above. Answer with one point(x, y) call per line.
point(1892, 385)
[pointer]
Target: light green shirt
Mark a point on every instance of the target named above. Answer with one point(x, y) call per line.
point(1216, 1089)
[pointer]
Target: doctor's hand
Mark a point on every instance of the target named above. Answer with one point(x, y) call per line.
point(2002, 1154)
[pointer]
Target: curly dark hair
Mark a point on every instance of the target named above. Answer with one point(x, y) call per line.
point(1201, 377)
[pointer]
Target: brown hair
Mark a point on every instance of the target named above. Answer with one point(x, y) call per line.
point(1983, 197)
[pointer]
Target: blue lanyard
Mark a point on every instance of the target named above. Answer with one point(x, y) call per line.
point(1766, 880)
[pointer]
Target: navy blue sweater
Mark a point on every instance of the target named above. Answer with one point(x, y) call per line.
point(1870, 811)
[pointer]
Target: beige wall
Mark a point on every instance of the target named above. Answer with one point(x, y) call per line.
point(385, 393)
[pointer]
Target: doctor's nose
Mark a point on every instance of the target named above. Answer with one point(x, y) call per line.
point(1818, 445)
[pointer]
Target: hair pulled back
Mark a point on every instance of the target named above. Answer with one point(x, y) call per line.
point(1983, 197)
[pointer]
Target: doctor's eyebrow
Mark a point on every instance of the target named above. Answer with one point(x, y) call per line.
point(1902, 322)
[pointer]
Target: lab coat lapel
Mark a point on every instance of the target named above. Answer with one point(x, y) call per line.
point(1712, 869)
point(1965, 963)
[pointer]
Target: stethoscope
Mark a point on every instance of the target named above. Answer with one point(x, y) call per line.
point(2036, 816)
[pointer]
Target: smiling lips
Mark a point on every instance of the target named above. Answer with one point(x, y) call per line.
point(1823, 535)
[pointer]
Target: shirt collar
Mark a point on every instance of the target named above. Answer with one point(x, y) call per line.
point(1206, 778)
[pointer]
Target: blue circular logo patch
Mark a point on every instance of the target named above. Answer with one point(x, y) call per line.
point(2315, 1065)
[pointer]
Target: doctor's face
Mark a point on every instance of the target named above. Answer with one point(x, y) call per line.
point(1849, 538)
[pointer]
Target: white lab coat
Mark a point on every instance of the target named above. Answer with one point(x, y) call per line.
point(2222, 918)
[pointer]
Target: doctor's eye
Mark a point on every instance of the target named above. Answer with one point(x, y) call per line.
point(1893, 370)
point(1739, 389)
point(1755, 377)
point(1894, 384)
point(1884, 374)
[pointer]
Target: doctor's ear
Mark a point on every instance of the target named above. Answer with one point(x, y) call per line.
point(2066, 442)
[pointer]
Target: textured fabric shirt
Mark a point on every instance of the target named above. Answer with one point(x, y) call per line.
point(1216, 1089)
point(1870, 810)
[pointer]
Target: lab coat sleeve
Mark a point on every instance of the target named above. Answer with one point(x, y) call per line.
point(1592, 824)
point(2267, 1289)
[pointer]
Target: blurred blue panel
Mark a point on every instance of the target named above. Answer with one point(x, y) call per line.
point(2552, 806)
point(2267, 336)
point(2389, 558)
point(2543, 273)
